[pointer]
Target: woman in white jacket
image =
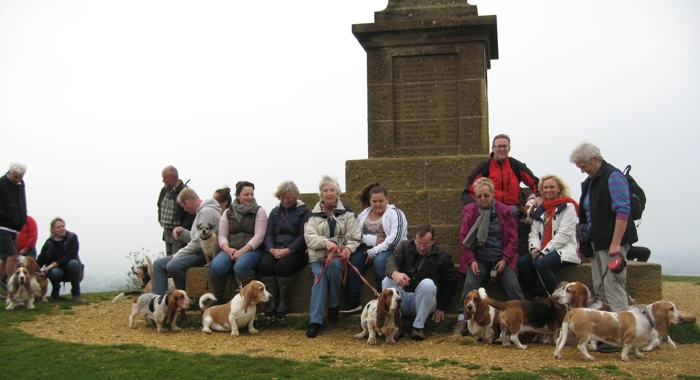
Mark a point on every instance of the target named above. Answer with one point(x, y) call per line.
point(552, 239)
point(383, 227)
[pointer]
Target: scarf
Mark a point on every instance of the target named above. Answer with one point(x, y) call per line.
point(480, 230)
point(550, 207)
point(239, 210)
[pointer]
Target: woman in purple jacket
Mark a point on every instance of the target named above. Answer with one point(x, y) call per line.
point(489, 242)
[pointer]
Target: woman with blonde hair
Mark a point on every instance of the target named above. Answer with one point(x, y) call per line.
point(60, 260)
point(552, 239)
point(285, 248)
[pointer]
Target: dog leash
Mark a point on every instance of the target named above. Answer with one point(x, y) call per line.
point(534, 261)
point(346, 262)
point(643, 310)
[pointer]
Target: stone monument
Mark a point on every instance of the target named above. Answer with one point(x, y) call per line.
point(427, 107)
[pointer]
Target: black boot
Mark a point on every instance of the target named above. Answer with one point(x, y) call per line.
point(55, 292)
point(218, 287)
point(285, 290)
point(271, 286)
point(246, 279)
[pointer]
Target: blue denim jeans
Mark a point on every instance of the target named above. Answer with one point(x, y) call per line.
point(420, 303)
point(245, 265)
point(167, 267)
point(545, 266)
point(328, 286)
point(357, 259)
point(70, 273)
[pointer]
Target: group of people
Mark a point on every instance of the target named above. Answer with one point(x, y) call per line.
point(274, 246)
point(59, 259)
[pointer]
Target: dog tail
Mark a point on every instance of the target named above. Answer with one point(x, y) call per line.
point(120, 295)
point(203, 299)
point(497, 304)
point(150, 266)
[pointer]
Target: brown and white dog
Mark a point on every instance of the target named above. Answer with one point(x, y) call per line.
point(237, 313)
point(161, 309)
point(22, 287)
point(208, 241)
point(629, 329)
point(144, 274)
point(34, 271)
point(381, 317)
point(576, 294)
point(517, 316)
point(657, 335)
point(482, 318)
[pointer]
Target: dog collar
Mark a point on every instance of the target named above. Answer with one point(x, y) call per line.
point(646, 314)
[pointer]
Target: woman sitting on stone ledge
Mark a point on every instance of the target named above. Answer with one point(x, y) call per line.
point(285, 247)
point(552, 240)
point(383, 227)
point(331, 225)
point(241, 232)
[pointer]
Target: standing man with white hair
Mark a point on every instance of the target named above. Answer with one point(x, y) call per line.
point(170, 214)
point(606, 231)
point(13, 215)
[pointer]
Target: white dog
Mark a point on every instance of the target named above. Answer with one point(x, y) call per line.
point(237, 313)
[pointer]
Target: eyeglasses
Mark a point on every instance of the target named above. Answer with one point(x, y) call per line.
point(424, 244)
point(501, 146)
point(485, 196)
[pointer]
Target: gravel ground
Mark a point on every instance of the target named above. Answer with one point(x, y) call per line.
point(106, 323)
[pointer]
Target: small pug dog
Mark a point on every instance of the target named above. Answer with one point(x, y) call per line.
point(208, 241)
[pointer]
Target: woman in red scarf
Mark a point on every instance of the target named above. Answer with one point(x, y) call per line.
point(552, 240)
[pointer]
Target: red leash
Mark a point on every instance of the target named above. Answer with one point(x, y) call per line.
point(331, 256)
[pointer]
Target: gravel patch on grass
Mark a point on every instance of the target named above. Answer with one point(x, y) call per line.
point(441, 355)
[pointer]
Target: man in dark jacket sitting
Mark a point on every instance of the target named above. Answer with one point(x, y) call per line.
point(425, 276)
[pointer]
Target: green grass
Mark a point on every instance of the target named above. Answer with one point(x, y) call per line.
point(693, 279)
point(62, 360)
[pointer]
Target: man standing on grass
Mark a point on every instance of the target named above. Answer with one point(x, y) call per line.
point(13, 216)
point(170, 214)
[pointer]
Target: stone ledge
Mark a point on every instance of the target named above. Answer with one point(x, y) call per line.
point(643, 284)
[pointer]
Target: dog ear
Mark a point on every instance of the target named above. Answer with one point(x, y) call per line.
point(382, 309)
point(172, 308)
point(578, 297)
point(397, 315)
point(245, 293)
point(660, 312)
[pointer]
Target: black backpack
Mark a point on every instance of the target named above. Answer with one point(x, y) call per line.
point(638, 200)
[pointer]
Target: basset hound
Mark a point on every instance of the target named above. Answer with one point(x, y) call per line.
point(237, 313)
point(22, 287)
point(517, 316)
point(381, 317)
point(576, 294)
point(144, 274)
point(35, 271)
point(162, 309)
point(630, 329)
point(482, 318)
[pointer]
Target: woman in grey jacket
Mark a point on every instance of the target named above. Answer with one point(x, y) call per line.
point(331, 225)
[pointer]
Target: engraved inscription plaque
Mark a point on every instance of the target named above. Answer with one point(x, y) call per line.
point(425, 101)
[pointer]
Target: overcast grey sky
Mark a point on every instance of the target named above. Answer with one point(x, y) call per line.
point(96, 97)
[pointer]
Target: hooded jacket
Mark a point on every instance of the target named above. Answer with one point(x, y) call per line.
point(395, 225)
point(208, 212)
point(59, 251)
point(317, 231)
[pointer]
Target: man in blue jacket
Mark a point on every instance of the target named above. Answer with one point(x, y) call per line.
point(13, 216)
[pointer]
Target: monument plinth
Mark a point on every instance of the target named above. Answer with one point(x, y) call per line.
point(427, 107)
